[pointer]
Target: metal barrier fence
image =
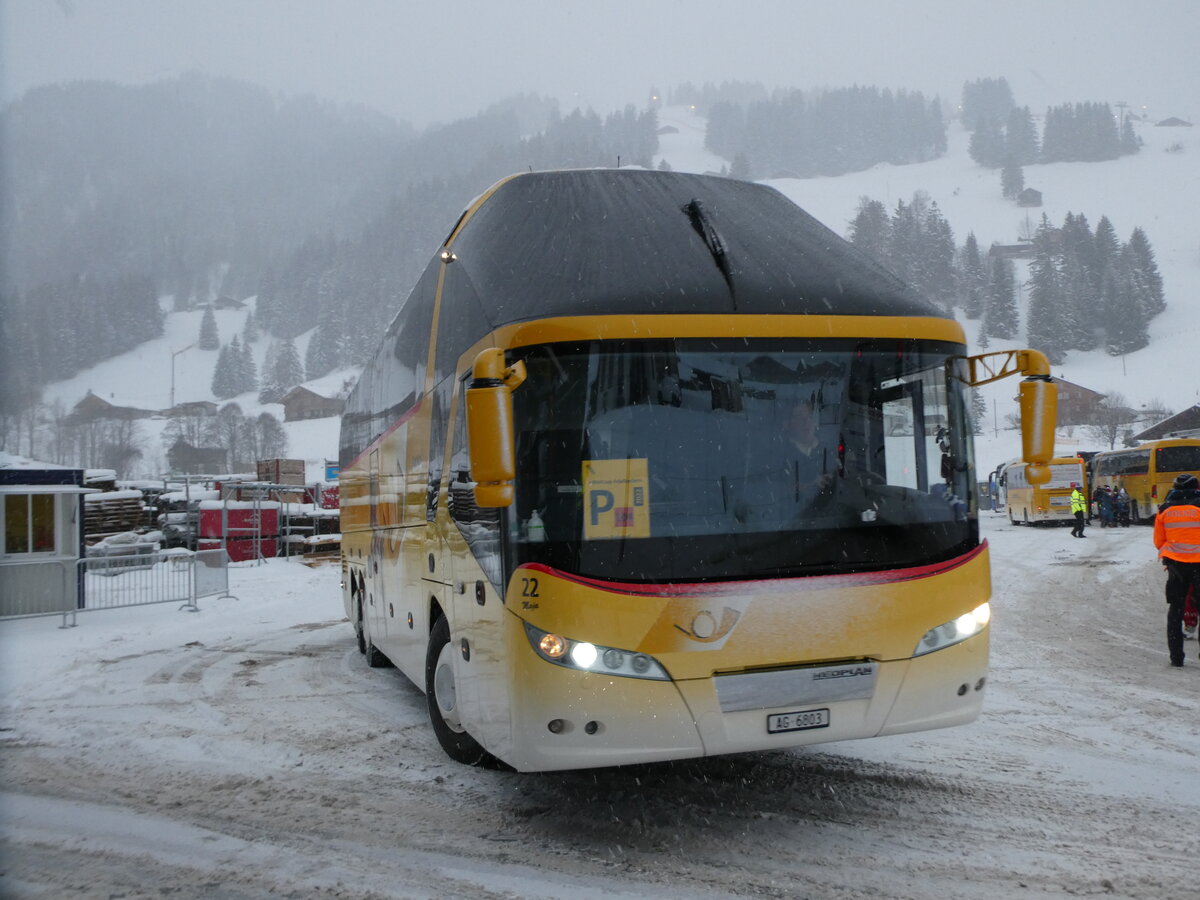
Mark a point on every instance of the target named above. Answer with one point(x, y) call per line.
point(112, 582)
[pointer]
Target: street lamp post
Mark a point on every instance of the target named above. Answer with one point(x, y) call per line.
point(175, 353)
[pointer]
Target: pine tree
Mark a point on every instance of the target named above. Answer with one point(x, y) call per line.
point(904, 256)
point(1130, 142)
point(1081, 304)
point(1012, 180)
point(1020, 138)
point(268, 389)
point(986, 98)
point(247, 371)
point(978, 411)
point(1125, 320)
point(224, 379)
point(1001, 316)
point(1107, 249)
point(1047, 323)
point(987, 145)
point(209, 339)
point(871, 229)
point(1147, 272)
point(973, 278)
point(740, 168)
point(288, 370)
point(250, 329)
point(982, 341)
point(940, 283)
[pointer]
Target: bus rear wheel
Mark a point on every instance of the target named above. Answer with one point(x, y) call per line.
point(441, 696)
point(360, 632)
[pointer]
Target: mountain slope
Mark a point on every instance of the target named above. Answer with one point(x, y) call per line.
point(1157, 189)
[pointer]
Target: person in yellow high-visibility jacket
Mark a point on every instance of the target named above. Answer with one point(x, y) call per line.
point(1177, 537)
point(1079, 505)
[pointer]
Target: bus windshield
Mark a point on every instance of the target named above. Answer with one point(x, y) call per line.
point(706, 459)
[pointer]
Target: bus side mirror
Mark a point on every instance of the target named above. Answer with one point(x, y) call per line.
point(1039, 414)
point(490, 439)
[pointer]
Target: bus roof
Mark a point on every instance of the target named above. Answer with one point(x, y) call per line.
point(635, 241)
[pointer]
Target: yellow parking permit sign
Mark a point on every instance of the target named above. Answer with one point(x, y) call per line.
point(616, 498)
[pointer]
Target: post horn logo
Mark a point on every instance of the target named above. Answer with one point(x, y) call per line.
point(705, 629)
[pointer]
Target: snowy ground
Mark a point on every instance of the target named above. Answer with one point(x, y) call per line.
point(248, 750)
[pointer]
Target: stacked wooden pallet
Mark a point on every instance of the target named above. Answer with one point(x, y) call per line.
point(112, 512)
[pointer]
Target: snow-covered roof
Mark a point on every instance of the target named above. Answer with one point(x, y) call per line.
point(12, 461)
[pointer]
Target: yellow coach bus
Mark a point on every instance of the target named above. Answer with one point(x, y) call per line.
point(1146, 471)
point(1050, 502)
point(653, 465)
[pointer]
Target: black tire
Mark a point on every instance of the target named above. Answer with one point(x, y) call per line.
point(360, 632)
point(440, 698)
point(375, 657)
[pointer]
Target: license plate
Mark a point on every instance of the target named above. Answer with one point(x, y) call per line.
point(797, 721)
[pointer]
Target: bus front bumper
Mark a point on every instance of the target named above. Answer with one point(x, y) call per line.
point(568, 719)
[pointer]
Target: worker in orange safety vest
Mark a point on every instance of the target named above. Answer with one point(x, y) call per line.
point(1177, 537)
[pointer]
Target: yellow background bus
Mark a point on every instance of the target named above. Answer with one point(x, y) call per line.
point(1049, 503)
point(1146, 471)
point(653, 465)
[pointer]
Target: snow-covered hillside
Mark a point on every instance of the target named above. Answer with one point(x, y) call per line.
point(1157, 189)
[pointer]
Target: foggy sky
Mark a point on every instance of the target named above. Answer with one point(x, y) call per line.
point(428, 62)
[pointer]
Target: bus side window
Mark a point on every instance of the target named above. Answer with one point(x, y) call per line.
point(437, 445)
point(479, 527)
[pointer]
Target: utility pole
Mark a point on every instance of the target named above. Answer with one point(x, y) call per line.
point(175, 353)
point(995, 420)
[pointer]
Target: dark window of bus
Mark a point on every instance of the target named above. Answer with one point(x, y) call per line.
point(1177, 459)
point(718, 459)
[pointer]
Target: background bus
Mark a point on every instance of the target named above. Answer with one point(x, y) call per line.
point(1146, 471)
point(653, 465)
point(1049, 503)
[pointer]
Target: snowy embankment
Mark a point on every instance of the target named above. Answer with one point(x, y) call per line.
point(249, 746)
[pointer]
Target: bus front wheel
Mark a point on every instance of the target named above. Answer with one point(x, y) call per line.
point(441, 696)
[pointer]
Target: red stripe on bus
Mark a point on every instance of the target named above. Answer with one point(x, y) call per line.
point(811, 582)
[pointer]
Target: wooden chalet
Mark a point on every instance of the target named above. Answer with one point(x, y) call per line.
point(184, 459)
point(92, 408)
point(1183, 424)
point(1077, 405)
point(301, 403)
point(1023, 250)
point(191, 409)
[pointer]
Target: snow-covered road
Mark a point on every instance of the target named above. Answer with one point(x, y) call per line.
point(248, 751)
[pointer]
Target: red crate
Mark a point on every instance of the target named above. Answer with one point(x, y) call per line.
point(240, 521)
point(241, 549)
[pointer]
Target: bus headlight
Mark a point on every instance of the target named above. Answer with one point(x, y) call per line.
point(588, 657)
point(955, 631)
